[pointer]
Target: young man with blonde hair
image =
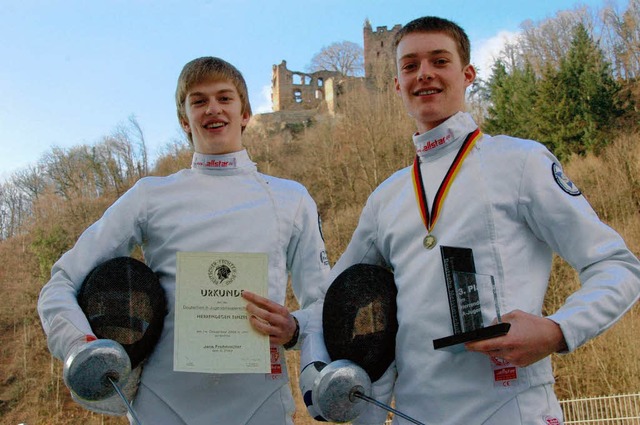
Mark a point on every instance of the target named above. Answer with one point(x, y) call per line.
point(508, 202)
point(221, 204)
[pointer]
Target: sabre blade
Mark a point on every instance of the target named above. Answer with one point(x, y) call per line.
point(364, 397)
point(125, 401)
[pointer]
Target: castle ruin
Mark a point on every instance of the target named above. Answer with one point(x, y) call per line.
point(378, 52)
point(298, 96)
point(295, 91)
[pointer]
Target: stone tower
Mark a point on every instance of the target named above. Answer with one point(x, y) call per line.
point(378, 52)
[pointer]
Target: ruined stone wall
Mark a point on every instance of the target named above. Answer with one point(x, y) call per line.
point(320, 91)
point(295, 91)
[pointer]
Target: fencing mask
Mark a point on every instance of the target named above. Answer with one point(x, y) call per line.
point(359, 318)
point(123, 300)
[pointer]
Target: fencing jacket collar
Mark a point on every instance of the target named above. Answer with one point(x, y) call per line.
point(444, 138)
point(230, 163)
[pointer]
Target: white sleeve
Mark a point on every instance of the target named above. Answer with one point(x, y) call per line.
point(308, 263)
point(361, 249)
point(111, 236)
point(609, 273)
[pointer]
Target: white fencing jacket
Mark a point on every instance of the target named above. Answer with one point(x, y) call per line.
point(221, 204)
point(512, 205)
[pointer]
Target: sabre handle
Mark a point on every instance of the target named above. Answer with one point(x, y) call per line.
point(124, 400)
point(358, 394)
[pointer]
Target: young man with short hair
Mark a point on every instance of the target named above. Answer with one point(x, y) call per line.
point(508, 201)
point(221, 204)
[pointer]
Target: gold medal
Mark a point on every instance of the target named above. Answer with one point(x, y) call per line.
point(429, 241)
point(430, 217)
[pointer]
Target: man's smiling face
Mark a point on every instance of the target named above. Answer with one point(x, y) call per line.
point(214, 117)
point(431, 79)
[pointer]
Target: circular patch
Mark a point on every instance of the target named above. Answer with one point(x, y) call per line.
point(563, 181)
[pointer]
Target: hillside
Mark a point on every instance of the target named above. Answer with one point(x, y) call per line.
point(340, 161)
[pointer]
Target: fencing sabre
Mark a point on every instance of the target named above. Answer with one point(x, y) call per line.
point(94, 370)
point(125, 305)
point(337, 387)
point(359, 325)
point(125, 401)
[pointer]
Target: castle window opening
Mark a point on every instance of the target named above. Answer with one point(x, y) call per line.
point(297, 96)
point(319, 95)
point(297, 79)
point(320, 82)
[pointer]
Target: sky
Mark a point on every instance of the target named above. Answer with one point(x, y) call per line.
point(73, 71)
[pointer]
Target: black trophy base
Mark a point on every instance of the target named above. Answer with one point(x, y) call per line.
point(455, 343)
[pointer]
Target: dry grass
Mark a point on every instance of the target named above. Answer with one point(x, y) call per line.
point(31, 388)
point(608, 364)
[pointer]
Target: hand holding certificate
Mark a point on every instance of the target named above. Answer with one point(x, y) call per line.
point(212, 329)
point(273, 319)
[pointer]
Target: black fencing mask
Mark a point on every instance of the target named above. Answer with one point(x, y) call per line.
point(124, 301)
point(359, 318)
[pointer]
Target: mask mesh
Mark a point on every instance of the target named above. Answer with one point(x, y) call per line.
point(124, 301)
point(359, 318)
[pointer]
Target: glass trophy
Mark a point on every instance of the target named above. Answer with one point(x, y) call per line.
point(473, 303)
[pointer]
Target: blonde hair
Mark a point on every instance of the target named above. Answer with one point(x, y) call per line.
point(209, 68)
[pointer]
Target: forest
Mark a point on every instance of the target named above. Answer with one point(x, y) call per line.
point(570, 82)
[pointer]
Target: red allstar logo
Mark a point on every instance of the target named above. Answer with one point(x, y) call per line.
point(551, 420)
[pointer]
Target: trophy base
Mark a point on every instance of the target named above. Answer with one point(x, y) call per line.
point(455, 343)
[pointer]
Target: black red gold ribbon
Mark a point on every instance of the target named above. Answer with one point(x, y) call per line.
point(429, 218)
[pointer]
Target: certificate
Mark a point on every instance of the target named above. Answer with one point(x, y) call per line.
point(212, 329)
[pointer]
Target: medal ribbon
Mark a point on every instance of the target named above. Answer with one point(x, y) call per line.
point(429, 219)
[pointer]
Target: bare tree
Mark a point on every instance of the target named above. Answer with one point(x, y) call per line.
point(543, 44)
point(624, 40)
point(31, 180)
point(142, 164)
point(14, 209)
point(108, 168)
point(345, 57)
